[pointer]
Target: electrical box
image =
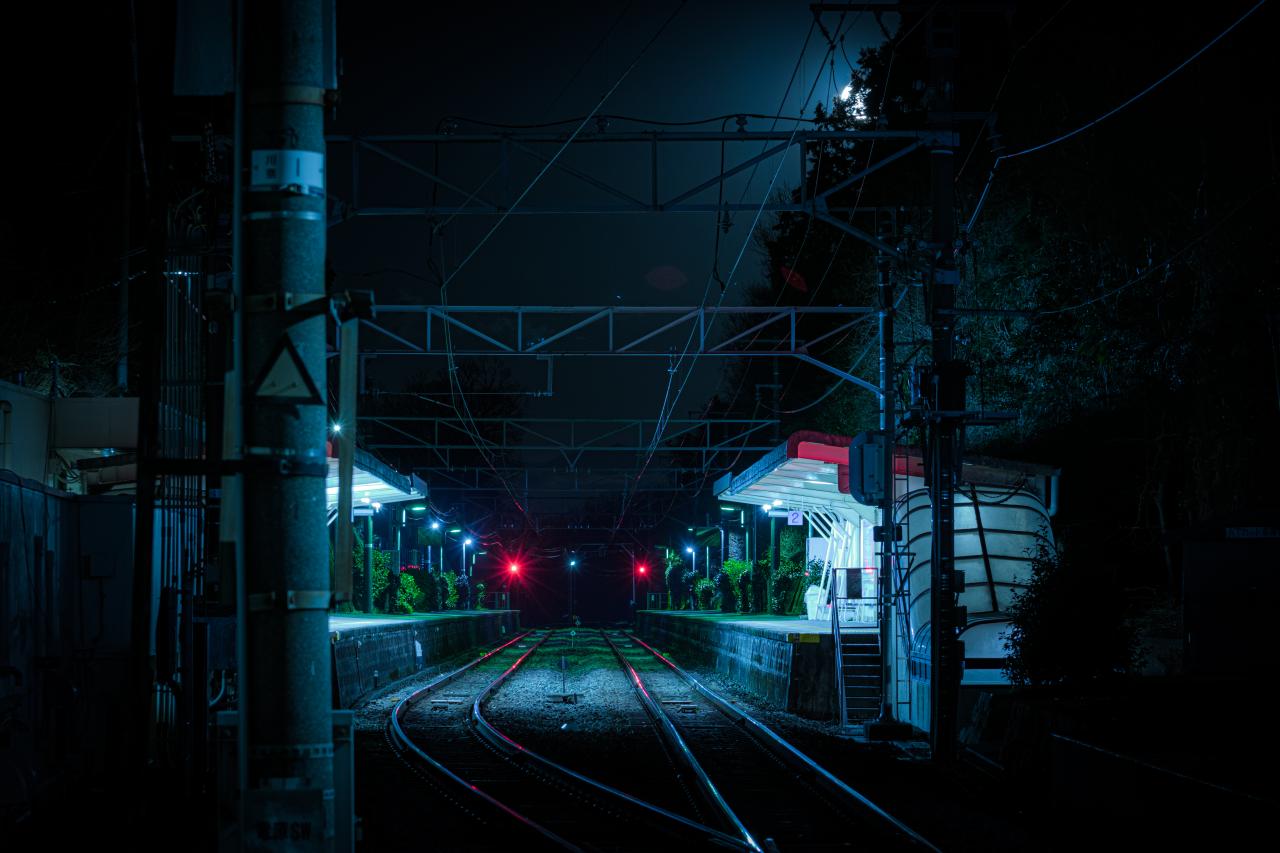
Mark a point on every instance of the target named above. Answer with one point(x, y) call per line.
point(866, 467)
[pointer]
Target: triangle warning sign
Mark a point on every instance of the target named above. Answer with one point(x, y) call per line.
point(285, 378)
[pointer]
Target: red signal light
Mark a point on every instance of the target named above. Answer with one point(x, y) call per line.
point(514, 567)
point(644, 569)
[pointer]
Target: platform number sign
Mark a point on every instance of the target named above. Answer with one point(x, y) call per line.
point(795, 517)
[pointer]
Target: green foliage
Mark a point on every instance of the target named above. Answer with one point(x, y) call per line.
point(430, 592)
point(784, 586)
point(450, 582)
point(381, 581)
point(735, 569)
point(1069, 625)
point(410, 597)
point(407, 597)
point(704, 590)
point(671, 577)
point(744, 601)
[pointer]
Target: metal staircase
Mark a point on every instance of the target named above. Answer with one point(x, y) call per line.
point(860, 661)
point(858, 655)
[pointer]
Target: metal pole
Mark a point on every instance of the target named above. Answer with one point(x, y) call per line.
point(126, 217)
point(888, 536)
point(289, 737)
point(775, 537)
point(946, 403)
point(366, 594)
point(346, 436)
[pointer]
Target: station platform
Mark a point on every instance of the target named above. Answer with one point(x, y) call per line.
point(371, 650)
point(786, 660)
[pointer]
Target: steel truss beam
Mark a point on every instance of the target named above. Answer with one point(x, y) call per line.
point(558, 482)
point(621, 331)
point(509, 151)
point(571, 437)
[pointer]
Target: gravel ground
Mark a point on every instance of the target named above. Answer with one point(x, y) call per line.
point(605, 735)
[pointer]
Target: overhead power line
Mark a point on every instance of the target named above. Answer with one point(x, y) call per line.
point(551, 161)
point(1108, 114)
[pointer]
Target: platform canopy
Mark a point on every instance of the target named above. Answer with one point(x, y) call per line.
point(810, 472)
point(372, 482)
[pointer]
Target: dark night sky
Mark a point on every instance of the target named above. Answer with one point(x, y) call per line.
point(406, 69)
point(407, 66)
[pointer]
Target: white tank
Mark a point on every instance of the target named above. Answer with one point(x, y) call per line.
point(997, 530)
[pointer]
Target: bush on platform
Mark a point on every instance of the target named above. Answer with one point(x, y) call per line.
point(449, 590)
point(704, 590)
point(430, 586)
point(744, 592)
point(409, 597)
point(729, 583)
point(673, 576)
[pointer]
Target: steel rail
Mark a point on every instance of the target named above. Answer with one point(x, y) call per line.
point(784, 751)
point(506, 744)
point(678, 746)
point(401, 739)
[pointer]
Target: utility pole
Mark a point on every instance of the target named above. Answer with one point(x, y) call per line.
point(888, 530)
point(287, 723)
point(946, 396)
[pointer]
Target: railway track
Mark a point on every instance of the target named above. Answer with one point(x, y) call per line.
point(774, 795)
point(691, 771)
point(520, 794)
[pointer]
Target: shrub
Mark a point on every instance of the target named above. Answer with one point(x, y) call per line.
point(430, 592)
point(726, 594)
point(409, 597)
point(673, 575)
point(703, 590)
point(1049, 642)
point(744, 592)
point(381, 582)
point(449, 580)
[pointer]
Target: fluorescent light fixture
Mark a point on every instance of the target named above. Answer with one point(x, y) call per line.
point(777, 502)
point(418, 508)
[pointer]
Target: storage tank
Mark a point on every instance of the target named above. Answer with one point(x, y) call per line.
point(997, 531)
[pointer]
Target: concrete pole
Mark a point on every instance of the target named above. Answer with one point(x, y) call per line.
point(289, 730)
